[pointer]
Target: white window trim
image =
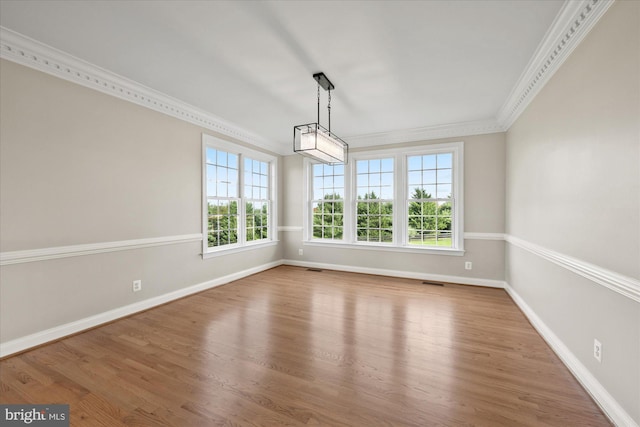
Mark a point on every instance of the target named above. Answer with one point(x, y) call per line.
point(241, 152)
point(400, 211)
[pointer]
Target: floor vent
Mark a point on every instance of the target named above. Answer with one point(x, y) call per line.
point(433, 283)
point(317, 270)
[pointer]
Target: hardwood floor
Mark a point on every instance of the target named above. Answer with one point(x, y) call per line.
point(291, 347)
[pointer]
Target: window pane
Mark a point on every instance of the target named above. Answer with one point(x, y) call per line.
point(211, 180)
point(429, 177)
point(444, 191)
point(387, 165)
point(221, 158)
point(232, 161)
point(414, 163)
point(233, 185)
point(386, 193)
point(430, 191)
point(415, 177)
point(444, 176)
point(444, 160)
point(429, 161)
point(362, 166)
point(362, 192)
point(221, 174)
point(211, 155)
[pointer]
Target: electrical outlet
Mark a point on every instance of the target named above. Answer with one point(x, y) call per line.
point(597, 350)
point(300, 252)
point(468, 265)
point(137, 286)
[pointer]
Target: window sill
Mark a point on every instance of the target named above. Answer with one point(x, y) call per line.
point(236, 249)
point(387, 248)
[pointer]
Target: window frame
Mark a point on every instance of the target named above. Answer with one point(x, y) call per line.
point(242, 152)
point(400, 241)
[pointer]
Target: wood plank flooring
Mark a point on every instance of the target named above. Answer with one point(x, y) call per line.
point(291, 347)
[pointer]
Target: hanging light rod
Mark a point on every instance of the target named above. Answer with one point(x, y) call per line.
point(317, 142)
point(323, 81)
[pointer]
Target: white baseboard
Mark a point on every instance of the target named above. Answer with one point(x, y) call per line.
point(398, 273)
point(607, 403)
point(24, 343)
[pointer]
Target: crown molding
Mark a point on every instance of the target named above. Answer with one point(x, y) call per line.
point(23, 50)
point(571, 25)
point(452, 130)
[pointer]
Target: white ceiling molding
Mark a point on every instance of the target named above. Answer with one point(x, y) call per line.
point(425, 133)
point(575, 20)
point(31, 53)
point(573, 23)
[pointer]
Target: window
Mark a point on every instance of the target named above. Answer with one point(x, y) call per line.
point(429, 202)
point(328, 201)
point(374, 207)
point(407, 199)
point(222, 197)
point(238, 193)
point(256, 205)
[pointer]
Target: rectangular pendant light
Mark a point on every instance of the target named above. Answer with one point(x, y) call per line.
point(314, 141)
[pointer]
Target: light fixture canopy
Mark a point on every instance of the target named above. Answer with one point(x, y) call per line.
point(317, 142)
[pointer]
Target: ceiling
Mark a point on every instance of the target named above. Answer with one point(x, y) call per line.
point(396, 65)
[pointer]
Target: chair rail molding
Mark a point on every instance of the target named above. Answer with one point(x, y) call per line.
point(624, 285)
point(468, 235)
point(290, 228)
point(32, 255)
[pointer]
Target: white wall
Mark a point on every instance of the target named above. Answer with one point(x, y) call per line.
point(483, 213)
point(80, 167)
point(573, 187)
